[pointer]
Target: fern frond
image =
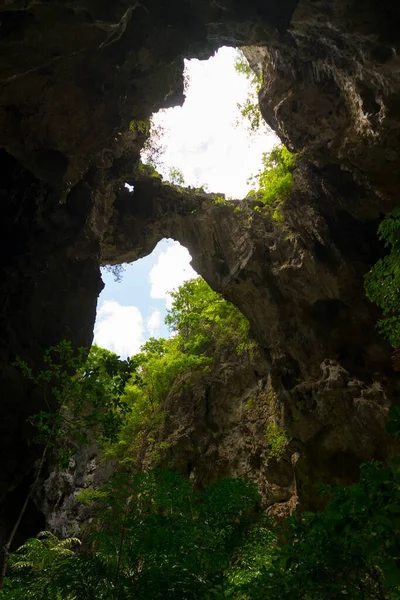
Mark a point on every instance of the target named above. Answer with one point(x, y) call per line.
point(68, 542)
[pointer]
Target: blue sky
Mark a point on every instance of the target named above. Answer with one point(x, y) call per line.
point(131, 311)
point(204, 141)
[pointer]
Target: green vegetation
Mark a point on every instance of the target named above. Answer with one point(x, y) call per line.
point(219, 199)
point(146, 169)
point(278, 440)
point(83, 396)
point(274, 182)
point(140, 126)
point(204, 326)
point(382, 283)
point(153, 535)
point(250, 109)
point(33, 561)
point(206, 323)
point(175, 176)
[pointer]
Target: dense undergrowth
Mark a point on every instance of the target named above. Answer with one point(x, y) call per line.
point(152, 535)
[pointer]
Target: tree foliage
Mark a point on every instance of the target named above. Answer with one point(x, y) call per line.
point(204, 325)
point(153, 537)
point(349, 549)
point(83, 395)
point(205, 322)
point(274, 182)
point(382, 283)
point(175, 176)
point(83, 401)
point(250, 109)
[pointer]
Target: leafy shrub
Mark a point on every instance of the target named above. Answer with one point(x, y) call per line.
point(350, 549)
point(30, 566)
point(274, 182)
point(83, 399)
point(83, 394)
point(175, 176)
point(153, 537)
point(382, 283)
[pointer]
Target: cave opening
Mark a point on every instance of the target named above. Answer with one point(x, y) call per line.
point(134, 302)
point(205, 143)
point(207, 140)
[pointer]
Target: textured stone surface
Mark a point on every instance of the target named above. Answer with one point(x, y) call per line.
point(331, 87)
point(56, 498)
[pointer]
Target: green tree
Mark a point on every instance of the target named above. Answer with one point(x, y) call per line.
point(205, 322)
point(351, 548)
point(274, 182)
point(250, 108)
point(83, 395)
point(382, 282)
point(162, 367)
point(175, 176)
point(205, 325)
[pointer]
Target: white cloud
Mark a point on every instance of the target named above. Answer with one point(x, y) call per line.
point(119, 328)
point(170, 271)
point(153, 323)
point(202, 138)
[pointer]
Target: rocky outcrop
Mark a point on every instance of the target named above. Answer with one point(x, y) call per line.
point(56, 498)
point(331, 88)
point(76, 76)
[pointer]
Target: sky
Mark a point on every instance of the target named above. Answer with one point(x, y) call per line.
point(202, 139)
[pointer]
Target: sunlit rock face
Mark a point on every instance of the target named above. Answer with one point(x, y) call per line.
point(74, 77)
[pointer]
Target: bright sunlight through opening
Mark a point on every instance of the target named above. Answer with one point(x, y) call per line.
point(210, 144)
